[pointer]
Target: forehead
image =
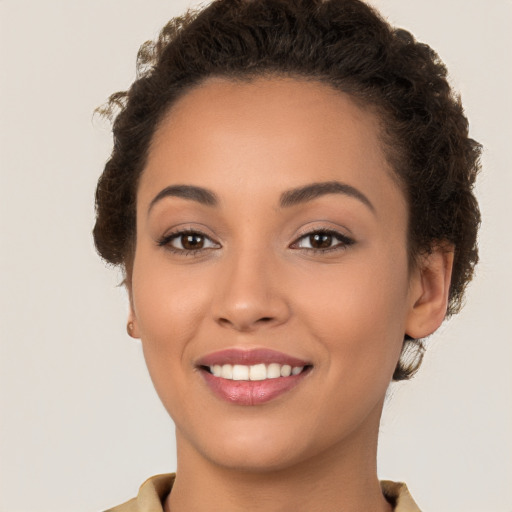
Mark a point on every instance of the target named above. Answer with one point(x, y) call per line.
point(266, 134)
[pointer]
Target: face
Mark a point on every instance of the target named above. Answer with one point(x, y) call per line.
point(271, 235)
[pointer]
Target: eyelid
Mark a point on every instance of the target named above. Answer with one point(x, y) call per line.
point(344, 241)
point(165, 241)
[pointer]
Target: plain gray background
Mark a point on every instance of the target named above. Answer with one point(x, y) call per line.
point(80, 424)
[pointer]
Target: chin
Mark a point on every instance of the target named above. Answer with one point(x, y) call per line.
point(251, 448)
point(267, 447)
point(251, 458)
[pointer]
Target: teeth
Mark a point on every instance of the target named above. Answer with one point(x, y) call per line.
point(254, 372)
point(286, 370)
point(273, 371)
point(257, 372)
point(240, 372)
point(226, 371)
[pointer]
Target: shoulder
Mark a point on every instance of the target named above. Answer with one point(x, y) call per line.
point(398, 495)
point(151, 495)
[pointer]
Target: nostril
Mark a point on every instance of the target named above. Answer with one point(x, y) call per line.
point(245, 325)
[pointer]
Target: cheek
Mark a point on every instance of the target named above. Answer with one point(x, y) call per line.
point(357, 312)
point(169, 308)
point(354, 315)
point(165, 299)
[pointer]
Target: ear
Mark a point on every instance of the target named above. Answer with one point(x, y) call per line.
point(430, 287)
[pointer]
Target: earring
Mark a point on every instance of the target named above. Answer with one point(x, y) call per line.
point(129, 329)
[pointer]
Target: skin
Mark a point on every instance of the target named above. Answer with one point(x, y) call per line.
point(260, 282)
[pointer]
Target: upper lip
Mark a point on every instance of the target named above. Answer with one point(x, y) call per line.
point(249, 357)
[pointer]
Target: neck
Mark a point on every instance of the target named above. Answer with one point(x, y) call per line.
point(344, 478)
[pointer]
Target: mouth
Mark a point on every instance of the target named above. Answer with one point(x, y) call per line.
point(251, 377)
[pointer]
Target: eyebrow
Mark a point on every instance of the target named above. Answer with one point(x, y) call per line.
point(314, 190)
point(199, 194)
point(289, 198)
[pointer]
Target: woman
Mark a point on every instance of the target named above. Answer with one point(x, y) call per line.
point(290, 198)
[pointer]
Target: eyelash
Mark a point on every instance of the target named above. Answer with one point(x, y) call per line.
point(343, 242)
point(166, 240)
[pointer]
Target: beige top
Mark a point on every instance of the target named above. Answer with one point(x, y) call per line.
point(154, 490)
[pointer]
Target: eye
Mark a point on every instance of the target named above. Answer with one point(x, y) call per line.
point(322, 241)
point(187, 242)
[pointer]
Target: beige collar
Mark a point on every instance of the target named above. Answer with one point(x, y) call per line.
point(154, 490)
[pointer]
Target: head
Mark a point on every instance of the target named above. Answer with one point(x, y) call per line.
point(345, 45)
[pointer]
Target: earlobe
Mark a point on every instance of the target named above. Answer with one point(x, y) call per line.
point(430, 291)
point(132, 327)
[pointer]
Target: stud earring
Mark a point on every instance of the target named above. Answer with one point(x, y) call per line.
point(129, 329)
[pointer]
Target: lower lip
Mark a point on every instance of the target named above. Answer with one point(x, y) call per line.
point(251, 392)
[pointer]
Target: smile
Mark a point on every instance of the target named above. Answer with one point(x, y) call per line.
point(251, 377)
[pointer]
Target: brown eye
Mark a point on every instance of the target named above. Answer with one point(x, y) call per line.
point(188, 242)
point(323, 241)
point(192, 241)
point(320, 240)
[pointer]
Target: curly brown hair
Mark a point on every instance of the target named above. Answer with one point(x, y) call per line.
point(343, 43)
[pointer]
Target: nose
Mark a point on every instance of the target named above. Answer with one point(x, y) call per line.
point(250, 294)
